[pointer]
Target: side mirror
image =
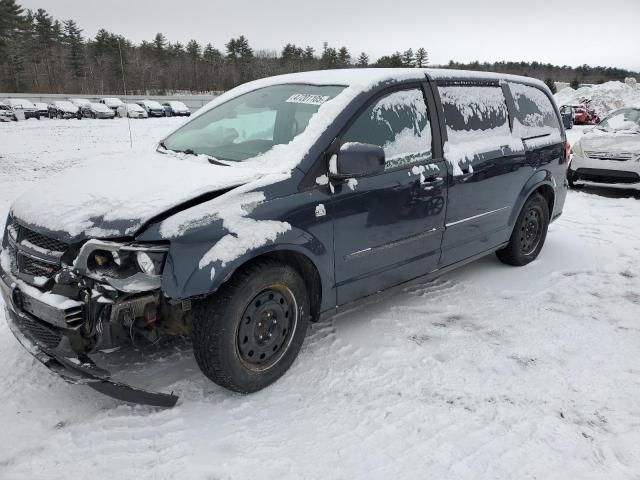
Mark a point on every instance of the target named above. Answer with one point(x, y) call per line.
point(357, 160)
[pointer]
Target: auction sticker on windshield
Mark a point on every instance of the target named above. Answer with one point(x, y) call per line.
point(307, 98)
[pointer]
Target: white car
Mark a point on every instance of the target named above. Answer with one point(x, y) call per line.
point(7, 114)
point(98, 110)
point(24, 106)
point(609, 152)
point(131, 110)
point(112, 102)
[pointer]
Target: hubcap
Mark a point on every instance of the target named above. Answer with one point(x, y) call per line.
point(531, 231)
point(267, 327)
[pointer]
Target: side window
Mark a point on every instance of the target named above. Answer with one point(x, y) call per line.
point(469, 110)
point(399, 123)
point(477, 122)
point(534, 115)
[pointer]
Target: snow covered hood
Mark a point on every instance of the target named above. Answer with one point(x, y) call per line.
point(114, 195)
point(611, 142)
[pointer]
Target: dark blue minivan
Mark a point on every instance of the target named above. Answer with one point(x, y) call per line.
point(283, 201)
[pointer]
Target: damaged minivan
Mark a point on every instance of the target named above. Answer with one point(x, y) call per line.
point(283, 201)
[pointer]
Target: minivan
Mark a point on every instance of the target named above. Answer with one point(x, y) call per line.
point(283, 201)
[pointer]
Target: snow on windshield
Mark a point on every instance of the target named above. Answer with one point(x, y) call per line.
point(152, 104)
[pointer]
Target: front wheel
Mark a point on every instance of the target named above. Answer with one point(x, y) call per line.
point(247, 335)
point(529, 233)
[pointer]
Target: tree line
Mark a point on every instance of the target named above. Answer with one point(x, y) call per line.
point(41, 54)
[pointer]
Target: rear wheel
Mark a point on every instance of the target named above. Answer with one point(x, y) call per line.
point(248, 334)
point(529, 233)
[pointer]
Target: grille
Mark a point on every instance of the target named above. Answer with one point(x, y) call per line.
point(617, 156)
point(35, 255)
point(44, 335)
point(36, 268)
point(42, 241)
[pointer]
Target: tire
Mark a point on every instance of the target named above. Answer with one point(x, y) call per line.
point(247, 335)
point(571, 180)
point(529, 233)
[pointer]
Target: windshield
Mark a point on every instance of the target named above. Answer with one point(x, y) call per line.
point(625, 119)
point(99, 107)
point(66, 106)
point(112, 102)
point(253, 123)
point(134, 107)
point(152, 104)
point(21, 103)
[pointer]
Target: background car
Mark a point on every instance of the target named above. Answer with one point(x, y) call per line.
point(583, 115)
point(610, 152)
point(153, 108)
point(111, 102)
point(566, 112)
point(25, 106)
point(43, 109)
point(97, 110)
point(7, 114)
point(131, 110)
point(176, 109)
point(64, 109)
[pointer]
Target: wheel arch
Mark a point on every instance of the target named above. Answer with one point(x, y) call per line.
point(302, 264)
point(543, 183)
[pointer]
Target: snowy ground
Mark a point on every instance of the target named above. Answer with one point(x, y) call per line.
point(490, 372)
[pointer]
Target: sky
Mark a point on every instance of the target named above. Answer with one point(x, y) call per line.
point(562, 32)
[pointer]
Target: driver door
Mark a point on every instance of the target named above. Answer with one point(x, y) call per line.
point(388, 227)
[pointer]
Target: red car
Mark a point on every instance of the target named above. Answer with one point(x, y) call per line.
point(582, 115)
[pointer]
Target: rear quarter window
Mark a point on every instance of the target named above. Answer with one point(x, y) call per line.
point(534, 114)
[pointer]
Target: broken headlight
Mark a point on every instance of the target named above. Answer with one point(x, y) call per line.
point(126, 266)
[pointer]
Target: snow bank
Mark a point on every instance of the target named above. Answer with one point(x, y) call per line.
point(602, 98)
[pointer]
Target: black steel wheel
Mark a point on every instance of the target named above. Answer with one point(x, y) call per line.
point(267, 327)
point(247, 335)
point(531, 230)
point(529, 233)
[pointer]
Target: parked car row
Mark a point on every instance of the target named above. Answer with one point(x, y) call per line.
point(13, 109)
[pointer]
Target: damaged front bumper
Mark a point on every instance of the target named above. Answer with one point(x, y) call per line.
point(37, 337)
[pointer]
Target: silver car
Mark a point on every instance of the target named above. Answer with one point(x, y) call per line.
point(609, 152)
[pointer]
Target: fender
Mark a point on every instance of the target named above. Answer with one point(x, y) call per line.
point(184, 278)
point(539, 178)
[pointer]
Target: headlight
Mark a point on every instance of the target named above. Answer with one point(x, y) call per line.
point(577, 149)
point(149, 262)
point(112, 260)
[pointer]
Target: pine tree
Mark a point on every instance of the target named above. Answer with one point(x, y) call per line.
point(344, 57)
point(11, 19)
point(363, 60)
point(551, 84)
point(75, 49)
point(408, 59)
point(422, 58)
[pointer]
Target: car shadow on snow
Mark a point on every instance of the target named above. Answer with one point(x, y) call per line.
point(617, 191)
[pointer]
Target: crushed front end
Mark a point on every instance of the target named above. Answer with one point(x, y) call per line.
point(67, 301)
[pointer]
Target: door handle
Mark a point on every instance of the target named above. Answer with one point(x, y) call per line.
point(432, 181)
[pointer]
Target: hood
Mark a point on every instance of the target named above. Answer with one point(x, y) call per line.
point(611, 142)
point(115, 195)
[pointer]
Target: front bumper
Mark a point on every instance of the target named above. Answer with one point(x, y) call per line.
point(604, 171)
point(38, 338)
